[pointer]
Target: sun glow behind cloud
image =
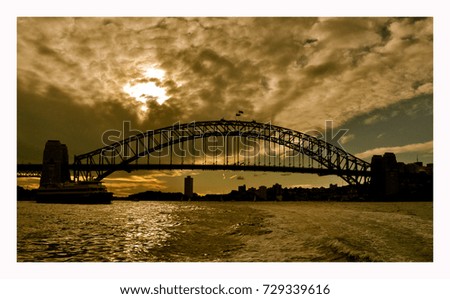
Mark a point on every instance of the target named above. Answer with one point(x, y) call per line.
point(155, 73)
point(149, 90)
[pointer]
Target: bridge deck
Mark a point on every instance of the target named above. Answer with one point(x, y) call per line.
point(22, 169)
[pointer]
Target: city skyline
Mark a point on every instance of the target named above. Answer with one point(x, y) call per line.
point(80, 77)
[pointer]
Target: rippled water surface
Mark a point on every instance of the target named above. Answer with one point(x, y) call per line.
point(216, 231)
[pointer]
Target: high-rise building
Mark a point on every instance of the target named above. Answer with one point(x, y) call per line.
point(188, 186)
point(385, 175)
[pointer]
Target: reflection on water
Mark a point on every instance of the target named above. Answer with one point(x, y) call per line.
point(231, 231)
point(118, 232)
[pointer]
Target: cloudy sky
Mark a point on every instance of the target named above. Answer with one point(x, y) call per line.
point(78, 77)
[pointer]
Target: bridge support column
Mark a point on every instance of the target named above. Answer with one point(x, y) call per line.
point(55, 168)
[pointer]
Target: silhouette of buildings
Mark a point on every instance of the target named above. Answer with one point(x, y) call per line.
point(261, 193)
point(276, 192)
point(392, 180)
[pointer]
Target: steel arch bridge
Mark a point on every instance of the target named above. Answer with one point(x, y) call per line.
point(226, 145)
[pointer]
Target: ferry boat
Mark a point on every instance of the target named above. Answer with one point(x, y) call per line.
point(90, 192)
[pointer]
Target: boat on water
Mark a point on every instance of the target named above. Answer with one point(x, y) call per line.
point(90, 192)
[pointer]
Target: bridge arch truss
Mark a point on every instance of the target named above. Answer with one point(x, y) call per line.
point(224, 144)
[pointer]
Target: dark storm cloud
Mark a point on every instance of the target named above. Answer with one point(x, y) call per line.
point(54, 115)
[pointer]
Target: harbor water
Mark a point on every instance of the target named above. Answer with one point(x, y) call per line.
point(146, 231)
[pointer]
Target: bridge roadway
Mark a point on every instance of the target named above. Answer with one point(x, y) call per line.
point(34, 170)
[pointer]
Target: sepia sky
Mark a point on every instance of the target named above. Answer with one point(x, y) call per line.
point(79, 77)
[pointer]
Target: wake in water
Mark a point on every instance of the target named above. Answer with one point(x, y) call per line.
point(227, 232)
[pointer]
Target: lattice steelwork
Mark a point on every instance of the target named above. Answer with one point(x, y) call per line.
point(224, 144)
